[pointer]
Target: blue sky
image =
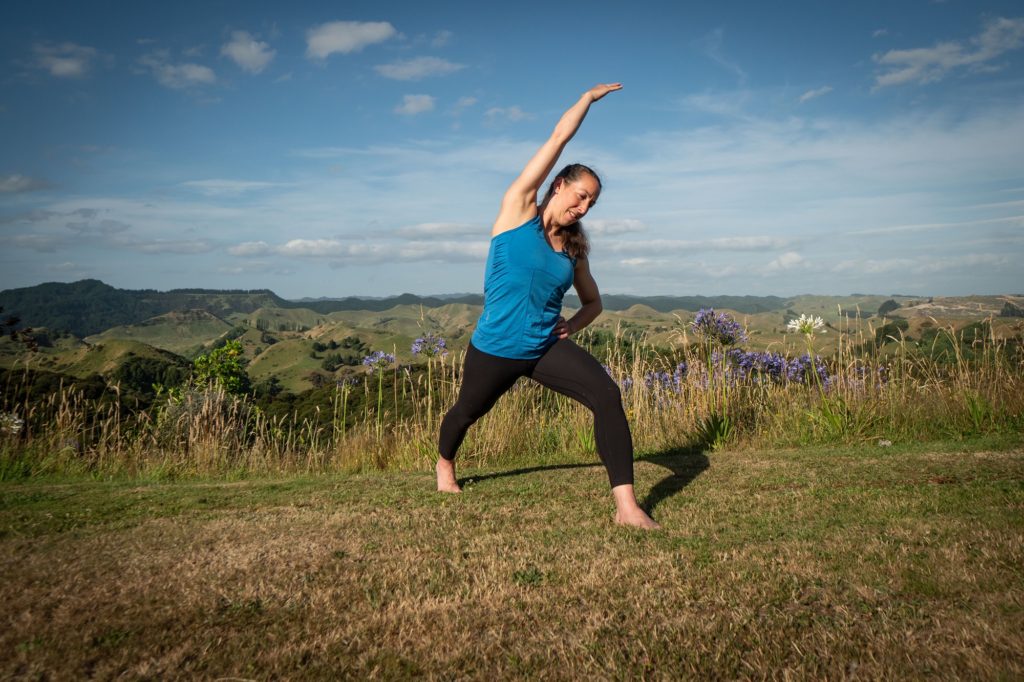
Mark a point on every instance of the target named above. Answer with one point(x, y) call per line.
point(362, 148)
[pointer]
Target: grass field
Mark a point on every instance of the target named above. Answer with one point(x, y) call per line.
point(862, 562)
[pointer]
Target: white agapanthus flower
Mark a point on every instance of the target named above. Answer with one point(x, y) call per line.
point(806, 324)
point(10, 423)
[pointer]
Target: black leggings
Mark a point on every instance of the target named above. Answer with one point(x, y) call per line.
point(565, 368)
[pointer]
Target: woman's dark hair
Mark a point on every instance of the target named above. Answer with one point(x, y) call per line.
point(574, 238)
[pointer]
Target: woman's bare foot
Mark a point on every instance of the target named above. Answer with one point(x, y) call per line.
point(636, 518)
point(628, 512)
point(446, 482)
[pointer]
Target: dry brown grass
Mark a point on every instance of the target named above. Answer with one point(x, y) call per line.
point(782, 565)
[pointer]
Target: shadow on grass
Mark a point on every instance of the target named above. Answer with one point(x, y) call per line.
point(526, 470)
point(685, 463)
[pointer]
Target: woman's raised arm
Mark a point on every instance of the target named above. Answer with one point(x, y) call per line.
point(520, 201)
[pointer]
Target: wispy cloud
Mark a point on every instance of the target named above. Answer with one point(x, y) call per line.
point(1015, 221)
point(345, 37)
point(364, 253)
point(922, 265)
point(442, 230)
point(817, 92)
point(930, 64)
point(177, 76)
point(661, 246)
point(250, 54)
point(415, 104)
point(711, 45)
point(441, 38)
point(613, 226)
point(251, 249)
point(64, 60)
point(511, 114)
point(16, 184)
point(789, 260)
point(731, 104)
point(221, 187)
point(417, 68)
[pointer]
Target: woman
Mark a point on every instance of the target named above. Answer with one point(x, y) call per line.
point(536, 252)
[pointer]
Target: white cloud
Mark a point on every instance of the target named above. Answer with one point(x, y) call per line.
point(371, 253)
point(248, 249)
point(442, 230)
point(417, 68)
point(817, 92)
point(878, 33)
point(16, 184)
point(415, 104)
point(604, 226)
point(786, 261)
point(930, 64)
point(441, 38)
point(465, 102)
point(250, 54)
point(345, 37)
point(220, 187)
point(731, 104)
point(174, 246)
point(1016, 221)
point(922, 265)
point(684, 246)
point(511, 114)
point(177, 76)
point(66, 60)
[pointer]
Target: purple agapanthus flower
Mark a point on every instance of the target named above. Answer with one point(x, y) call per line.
point(430, 345)
point(717, 327)
point(378, 360)
point(759, 366)
point(680, 374)
point(802, 369)
point(658, 380)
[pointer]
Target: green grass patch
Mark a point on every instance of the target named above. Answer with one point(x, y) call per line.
point(890, 562)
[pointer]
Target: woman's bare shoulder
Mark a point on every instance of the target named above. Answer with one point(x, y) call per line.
point(511, 219)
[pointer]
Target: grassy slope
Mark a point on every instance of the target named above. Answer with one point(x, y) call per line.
point(869, 562)
point(178, 332)
point(81, 360)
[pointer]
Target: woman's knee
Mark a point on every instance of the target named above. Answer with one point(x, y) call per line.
point(607, 396)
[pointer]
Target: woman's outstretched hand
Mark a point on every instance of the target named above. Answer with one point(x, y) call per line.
point(599, 91)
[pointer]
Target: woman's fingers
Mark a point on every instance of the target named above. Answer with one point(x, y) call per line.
point(561, 329)
point(602, 89)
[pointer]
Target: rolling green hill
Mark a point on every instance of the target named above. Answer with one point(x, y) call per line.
point(90, 307)
point(178, 332)
point(292, 343)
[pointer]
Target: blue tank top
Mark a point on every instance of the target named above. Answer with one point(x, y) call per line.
point(524, 284)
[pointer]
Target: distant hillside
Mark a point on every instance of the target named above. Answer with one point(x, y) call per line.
point(666, 304)
point(177, 331)
point(334, 305)
point(89, 306)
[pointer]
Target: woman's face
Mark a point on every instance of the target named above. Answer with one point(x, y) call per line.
point(574, 198)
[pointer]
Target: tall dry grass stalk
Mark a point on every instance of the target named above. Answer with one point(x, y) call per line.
point(898, 393)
